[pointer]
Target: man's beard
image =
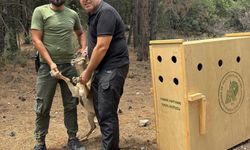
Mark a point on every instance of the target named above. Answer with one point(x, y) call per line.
point(57, 3)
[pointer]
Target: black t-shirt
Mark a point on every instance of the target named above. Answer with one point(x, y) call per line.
point(106, 21)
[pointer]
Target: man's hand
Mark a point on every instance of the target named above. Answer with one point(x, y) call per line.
point(54, 71)
point(85, 77)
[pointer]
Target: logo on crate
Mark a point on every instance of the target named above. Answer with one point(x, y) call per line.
point(231, 92)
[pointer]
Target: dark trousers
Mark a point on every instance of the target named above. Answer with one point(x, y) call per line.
point(107, 88)
point(46, 87)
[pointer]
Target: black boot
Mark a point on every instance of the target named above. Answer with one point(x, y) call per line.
point(74, 144)
point(40, 147)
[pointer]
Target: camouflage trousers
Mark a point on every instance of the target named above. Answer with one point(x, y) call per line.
point(45, 88)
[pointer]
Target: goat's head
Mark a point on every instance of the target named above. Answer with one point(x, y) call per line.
point(80, 63)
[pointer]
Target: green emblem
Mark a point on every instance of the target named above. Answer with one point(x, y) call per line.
point(231, 92)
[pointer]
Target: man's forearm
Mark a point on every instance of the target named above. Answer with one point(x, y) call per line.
point(43, 52)
point(83, 40)
point(96, 58)
point(100, 50)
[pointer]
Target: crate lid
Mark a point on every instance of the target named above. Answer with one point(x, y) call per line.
point(171, 41)
point(237, 34)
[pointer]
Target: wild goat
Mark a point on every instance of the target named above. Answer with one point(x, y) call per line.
point(82, 92)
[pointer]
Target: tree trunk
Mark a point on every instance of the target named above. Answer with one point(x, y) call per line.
point(2, 32)
point(144, 35)
point(135, 23)
point(130, 30)
point(10, 43)
point(10, 39)
point(25, 16)
point(154, 7)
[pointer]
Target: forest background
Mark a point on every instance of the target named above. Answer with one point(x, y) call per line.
point(145, 20)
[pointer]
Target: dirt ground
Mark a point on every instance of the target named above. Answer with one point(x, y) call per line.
point(17, 115)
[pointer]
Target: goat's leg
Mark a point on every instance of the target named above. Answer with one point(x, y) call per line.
point(91, 117)
point(74, 89)
point(81, 101)
point(87, 91)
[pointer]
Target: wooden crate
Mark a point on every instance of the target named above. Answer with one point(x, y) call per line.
point(201, 92)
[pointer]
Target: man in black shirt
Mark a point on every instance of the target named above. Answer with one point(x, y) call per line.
point(109, 64)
